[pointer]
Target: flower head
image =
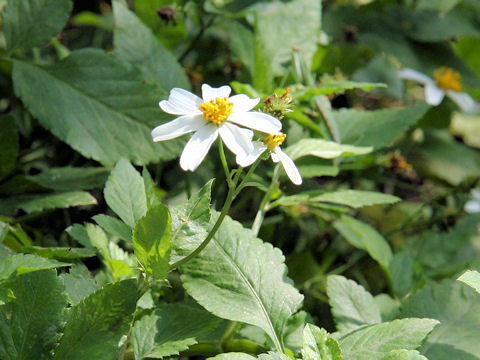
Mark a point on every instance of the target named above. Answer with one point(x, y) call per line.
point(272, 143)
point(215, 114)
point(447, 82)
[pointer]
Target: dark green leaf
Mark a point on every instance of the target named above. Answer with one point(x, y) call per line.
point(114, 226)
point(78, 283)
point(24, 263)
point(71, 178)
point(59, 253)
point(8, 145)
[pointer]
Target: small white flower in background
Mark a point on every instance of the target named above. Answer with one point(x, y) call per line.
point(272, 142)
point(216, 114)
point(473, 206)
point(447, 82)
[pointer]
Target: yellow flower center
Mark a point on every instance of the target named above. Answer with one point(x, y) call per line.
point(447, 79)
point(216, 111)
point(272, 141)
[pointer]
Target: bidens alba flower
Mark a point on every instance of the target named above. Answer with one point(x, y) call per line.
point(216, 113)
point(272, 142)
point(447, 82)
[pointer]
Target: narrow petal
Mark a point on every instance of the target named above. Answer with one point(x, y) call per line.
point(178, 127)
point(274, 157)
point(289, 166)
point(246, 160)
point(433, 94)
point(209, 93)
point(242, 103)
point(464, 101)
point(197, 147)
point(238, 140)
point(410, 74)
point(181, 102)
point(257, 121)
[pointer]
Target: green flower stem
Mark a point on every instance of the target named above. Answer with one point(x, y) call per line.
point(223, 160)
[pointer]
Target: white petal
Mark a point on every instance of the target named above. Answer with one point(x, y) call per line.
point(242, 103)
point(181, 102)
point(257, 121)
point(275, 157)
point(464, 101)
point(411, 74)
point(238, 140)
point(472, 206)
point(178, 127)
point(198, 146)
point(246, 160)
point(209, 93)
point(289, 166)
point(433, 94)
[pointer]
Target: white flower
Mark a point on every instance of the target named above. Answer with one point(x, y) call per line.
point(216, 114)
point(447, 82)
point(473, 206)
point(272, 142)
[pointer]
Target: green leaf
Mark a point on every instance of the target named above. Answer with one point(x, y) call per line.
point(402, 270)
point(442, 6)
point(318, 345)
point(352, 306)
point(355, 198)
point(365, 237)
point(59, 253)
point(334, 86)
point(71, 178)
point(125, 193)
point(233, 356)
point(375, 341)
point(78, 283)
point(114, 226)
point(42, 202)
point(154, 194)
point(273, 356)
point(467, 127)
point(8, 145)
point(96, 324)
point(30, 23)
point(404, 355)
point(240, 278)
point(457, 307)
point(30, 324)
point(24, 263)
point(377, 128)
point(134, 42)
point(472, 279)
point(170, 329)
point(103, 108)
point(324, 149)
point(152, 241)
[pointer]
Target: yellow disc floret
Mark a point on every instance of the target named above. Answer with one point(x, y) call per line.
point(448, 79)
point(272, 141)
point(216, 111)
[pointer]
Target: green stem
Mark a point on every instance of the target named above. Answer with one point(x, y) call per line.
point(234, 345)
point(264, 204)
point(223, 160)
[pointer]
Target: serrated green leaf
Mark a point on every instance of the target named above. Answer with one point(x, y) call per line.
point(59, 253)
point(24, 263)
point(103, 108)
point(114, 226)
point(152, 241)
point(96, 324)
point(78, 283)
point(375, 341)
point(352, 306)
point(471, 278)
point(134, 42)
point(324, 149)
point(71, 178)
point(80, 234)
point(29, 23)
point(31, 323)
point(8, 145)
point(125, 193)
point(318, 345)
point(355, 198)
point(273, 356)
point(170, 329)
point(240, 278)
point(404, 355)
point(363, 236)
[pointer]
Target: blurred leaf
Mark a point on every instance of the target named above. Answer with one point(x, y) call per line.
point(467, 48)
point(442, 6)
point(30, 325)
point(467, 127)
point(71, 178)
point(96, 324)
point(472, 279)
point(125, 193)
point(334, 86)
point(404, 355)
point(352, 306)
point(324, 149)
point(402, 270)
point(29, 23)
point(389, 308)
point(114, 226)
point(8, 145)
point(88, 18)
point(233, 356)
point(103, 109)
point(78, 283)
point(318, 345)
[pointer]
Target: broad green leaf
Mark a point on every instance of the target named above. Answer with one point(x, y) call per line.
point(318, 345)
point(402, 270)
point(71, 178)
point(24, 263)
point(152, 241)
point(103, 109)
point(125, 193)
point(293, 334)
point(457, 307)
point(154, 194)
point(377, 128)
point(8, 145)
point(471, 278)
point(375, 341)
point(49, 201)
point(355, 198)
point(114, 226)
point(404, 355)
point(96, 324)
point(365, 237)
point(352, 306)
point(240, 278)
point(59, 253)
point(135, 43)
point(29, 23)
point(389, 307)
point(273, 356)
point(78, 283)
point(31, 323)
point(80, 234)
point(324, 149)
point(171, 328)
